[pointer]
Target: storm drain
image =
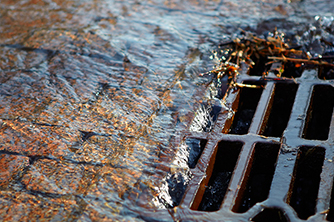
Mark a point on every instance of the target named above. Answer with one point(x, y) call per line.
point(266, 153)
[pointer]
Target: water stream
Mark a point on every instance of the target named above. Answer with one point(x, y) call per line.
point(92, 93)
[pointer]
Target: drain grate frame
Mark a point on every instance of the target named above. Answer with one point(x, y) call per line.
point(286, 145)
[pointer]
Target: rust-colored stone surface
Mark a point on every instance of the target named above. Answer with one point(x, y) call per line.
point(49, 176)
point(20, 206)
point(11, 166)
point(83, 120)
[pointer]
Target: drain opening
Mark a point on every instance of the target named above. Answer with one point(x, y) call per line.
point(173, 188)
point(175, 183)
point(220, 87)
point(205, 118)
point(292, 70)
point(275, 215)
point(280, 110)
point(260, 66)
point(247, 104)
point(226, 159)
point(256, 186)
point(330, 215)
point(319, 113)
point(327, 72)
point(195, 148)
point(306, 180)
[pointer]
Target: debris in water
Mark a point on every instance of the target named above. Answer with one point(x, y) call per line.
point(258, 56)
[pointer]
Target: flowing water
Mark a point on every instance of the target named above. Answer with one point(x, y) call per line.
point(92, 94)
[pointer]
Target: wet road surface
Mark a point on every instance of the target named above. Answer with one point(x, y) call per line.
point(91, 93)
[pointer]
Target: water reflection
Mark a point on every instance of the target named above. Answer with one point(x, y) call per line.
point(123, 72)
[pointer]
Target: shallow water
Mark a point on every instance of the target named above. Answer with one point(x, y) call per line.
point(93, 92)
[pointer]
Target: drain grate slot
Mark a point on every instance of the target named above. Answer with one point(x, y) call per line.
point(319, 113)
point(327, 72)
point(226, 159)
point(247, 104)
point(176, 182)
point(256, 187)
point(205, 118)
point(275, 215)
point(330, 215)
point(306, 180)
point(284, 97)
point(291, 70)
point(260, 67)
point(195, 148)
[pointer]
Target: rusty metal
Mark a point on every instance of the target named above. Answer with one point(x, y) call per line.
point(283, 161)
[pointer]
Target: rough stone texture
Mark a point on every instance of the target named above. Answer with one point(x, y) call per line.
point(35, 140)
point(19, 206)
point(49, 176)
point(11, 166)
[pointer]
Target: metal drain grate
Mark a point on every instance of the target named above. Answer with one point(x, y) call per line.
point(268, 155)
